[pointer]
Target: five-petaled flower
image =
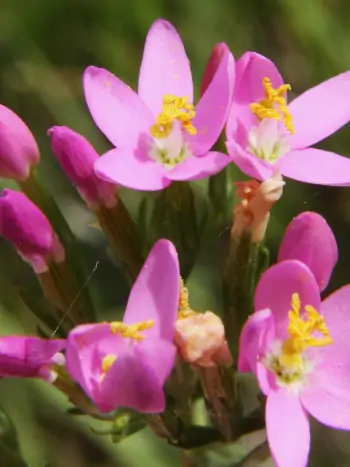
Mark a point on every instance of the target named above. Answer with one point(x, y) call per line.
point(160, 136)
point(299, 350)
point(125, 364)
point(30, 357)
point(265, 135)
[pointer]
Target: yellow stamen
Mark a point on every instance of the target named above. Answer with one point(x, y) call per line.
point(107, 362)
point(274, 105)
point(132, 331)
point(174, 108)
point(301, 334)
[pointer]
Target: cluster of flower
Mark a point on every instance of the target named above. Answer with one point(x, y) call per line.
point(296, 345)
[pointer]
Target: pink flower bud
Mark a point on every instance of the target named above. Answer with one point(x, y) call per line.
point(27, 228)
point(18, 149)
point(200, 338)
point(213, 64)
point(77, 157)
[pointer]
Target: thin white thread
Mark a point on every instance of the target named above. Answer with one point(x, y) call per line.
point(75, 298)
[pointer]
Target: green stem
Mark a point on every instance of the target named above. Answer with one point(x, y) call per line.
point(122, 235)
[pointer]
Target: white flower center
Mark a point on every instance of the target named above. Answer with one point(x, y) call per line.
point(269, 140)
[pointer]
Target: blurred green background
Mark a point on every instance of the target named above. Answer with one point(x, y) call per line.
point(44, 48)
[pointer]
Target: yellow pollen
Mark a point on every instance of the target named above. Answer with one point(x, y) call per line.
point(301, 334)
point(132, 331)
point(184, 304)
point(107, 362)
point(274, 105)
point(174, 108)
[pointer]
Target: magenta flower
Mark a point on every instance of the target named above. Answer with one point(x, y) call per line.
point(27, 228)
point(18, 149)
point(125, 364)
point(309, 239)
point(77, 157)
point(299, 349)
point(217, 54)
point(30, 357)
point(265, 135)
point(158, 133)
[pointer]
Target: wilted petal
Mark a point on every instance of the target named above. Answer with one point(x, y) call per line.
point(213, 107)
point(316, 166)
point(276, 287)
point(131, 168)
point(165, 68)
point(116, 109)
point(197, 168)
point(155, 294)
point(321, 111)
point(288, 430)
point(309, 239)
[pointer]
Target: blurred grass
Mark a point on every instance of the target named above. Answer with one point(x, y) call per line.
point(44, 48)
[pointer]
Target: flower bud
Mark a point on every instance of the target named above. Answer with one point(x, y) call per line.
point(18, 149)
point(77, 157)
point(27, 228)
point(213, 64)
point(200, 338)
point(253, 212)
point(309, 239)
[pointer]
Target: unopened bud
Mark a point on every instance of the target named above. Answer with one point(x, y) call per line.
point(213, 64)
point(77, 157)
point(27, 228)
point(200, 338)
point(253, 211)
point(18, 149)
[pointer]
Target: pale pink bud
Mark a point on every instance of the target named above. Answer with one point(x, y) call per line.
point(213, 64)
point(77, 157)
point(200, 338)
point(18, 149)
point(253, 212)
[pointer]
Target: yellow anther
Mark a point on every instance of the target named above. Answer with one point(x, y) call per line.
point(132, 331)
point(184, 304)
point(274, 105)
point(174, 108)
point(301, 333)
point(107, 362)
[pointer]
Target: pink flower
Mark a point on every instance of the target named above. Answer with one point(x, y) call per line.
point(77, 157)
point(27, 228)
point(18, 149)
point(299, 349)
point(125, 364)
point(158, 133)
point(309, 239)
point(265, 135)
point(30, 357)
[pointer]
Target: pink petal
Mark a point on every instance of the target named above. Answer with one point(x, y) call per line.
point(197, 168)
point(309, 239)
point(155, 294)
point(317, 166)
point(213, 107)
point(131, 168)
point(165, 68)
point(327, 397)
point(248, 163)
point(288, 430)
point(256, 337)
point(278, 284)
point(133, 383)
point(251, 69)
point(116, 109)
point(321, 111)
